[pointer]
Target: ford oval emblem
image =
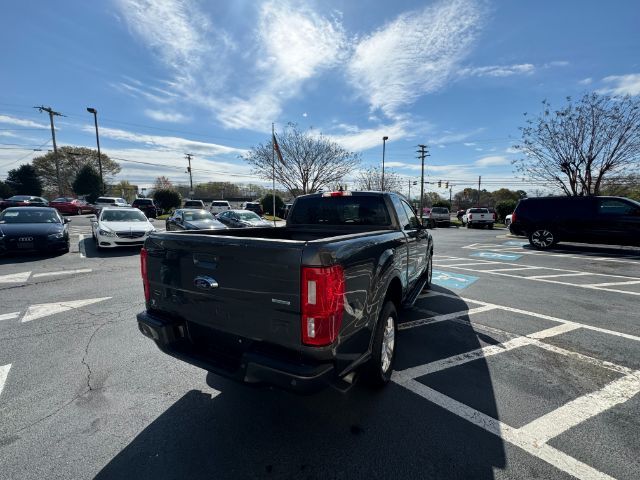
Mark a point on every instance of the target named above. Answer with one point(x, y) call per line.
point(205, 283)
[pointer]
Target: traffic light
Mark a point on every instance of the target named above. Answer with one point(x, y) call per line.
point(439, 183)
point(446, 185)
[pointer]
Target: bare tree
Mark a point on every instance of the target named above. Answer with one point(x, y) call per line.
point(371, 179)
point(162, 183)
point(308, 164)
point(574, 148)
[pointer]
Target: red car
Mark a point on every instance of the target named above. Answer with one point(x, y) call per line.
point(23, 201)
point(71, 206)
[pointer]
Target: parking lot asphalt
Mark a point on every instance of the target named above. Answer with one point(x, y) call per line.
point(516, 364)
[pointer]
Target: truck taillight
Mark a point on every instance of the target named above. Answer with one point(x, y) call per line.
point(494, 216)
point(470, 216)
point(513, 217)
point(144, 273)
point(322, 303)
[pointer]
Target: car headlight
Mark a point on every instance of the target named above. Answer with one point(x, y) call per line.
point(55, 236)
point(106, 233)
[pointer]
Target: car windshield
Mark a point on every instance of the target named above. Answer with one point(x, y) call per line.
point(478, 210)
point(197, 216)
point(63, 199)
point(220, 204)
point(247, 216)
point(123, 216)
point(20, 198)
point(29, 216)
point(105, 200)
point(439, 210)
point(143, 202)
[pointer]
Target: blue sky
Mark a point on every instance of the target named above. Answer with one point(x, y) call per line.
point(170, 76)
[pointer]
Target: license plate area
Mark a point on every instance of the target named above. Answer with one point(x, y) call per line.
point(25, 245)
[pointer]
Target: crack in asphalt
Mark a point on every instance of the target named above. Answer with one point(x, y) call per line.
point(86, 353)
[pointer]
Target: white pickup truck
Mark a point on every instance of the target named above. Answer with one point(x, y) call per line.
point(474, 217)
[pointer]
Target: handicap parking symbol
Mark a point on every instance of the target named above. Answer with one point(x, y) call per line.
point(452, 280)
point(497, 256)
point(515, 243)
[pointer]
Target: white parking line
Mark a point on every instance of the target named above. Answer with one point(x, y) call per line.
point(81, 249)
point(553, 331)
point(45, 309)
point(15, 277)
point(443, 318)
point(9, 316)
point(4, 373)
point(562, 275)
point(583, 408)
point(613, 284)
point(61, 272)
point(520, 439)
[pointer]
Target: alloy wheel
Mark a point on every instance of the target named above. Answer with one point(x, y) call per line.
point(388, 344)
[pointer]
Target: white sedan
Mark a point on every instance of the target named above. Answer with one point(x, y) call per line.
point(121, 227)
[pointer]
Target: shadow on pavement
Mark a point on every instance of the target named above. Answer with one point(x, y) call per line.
point(13, 258)
point(591, 250)
point(246, 432)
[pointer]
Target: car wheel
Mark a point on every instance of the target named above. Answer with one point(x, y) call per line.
point(427, 285)
point(380, 366)
point(79, 211)
point(542, 238)
point(490, 226)
point(468, 225)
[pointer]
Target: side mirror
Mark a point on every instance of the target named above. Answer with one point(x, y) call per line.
point(66, 220)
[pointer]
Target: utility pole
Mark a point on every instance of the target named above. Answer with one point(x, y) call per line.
point(450, 202)
point(95, 121)
point(479, 180)
point(384, 143)
point(188, 157)
point(273, 162)
point(53, 113)
point(424, 152)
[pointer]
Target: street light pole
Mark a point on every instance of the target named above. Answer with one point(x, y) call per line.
point(384, 141)
point(95, 121)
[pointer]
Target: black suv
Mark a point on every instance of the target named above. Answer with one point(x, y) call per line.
point(147, 206)
point(605, 220)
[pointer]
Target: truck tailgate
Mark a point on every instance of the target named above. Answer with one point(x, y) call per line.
point(248, 288)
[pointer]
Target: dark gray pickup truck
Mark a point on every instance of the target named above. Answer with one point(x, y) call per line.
point(300, 307)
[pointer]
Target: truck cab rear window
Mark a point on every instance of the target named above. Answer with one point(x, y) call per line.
point(349, 210)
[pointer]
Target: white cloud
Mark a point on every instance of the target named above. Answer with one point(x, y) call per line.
point(586, 81)
point(469, 144)
point(8, 119)
point(414, 54)
point(498, 70)
point(449, 137)
point(297, 43)
point(175, 144)
point(511, 150)
point(305, 115)
point(557, 63)
point(173, 29)
point(172, 117)
point(358, 140)
point(492, 161)
point(622, 84)
point(136, 91)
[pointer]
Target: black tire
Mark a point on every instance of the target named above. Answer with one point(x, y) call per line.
point(469, 225)
point(490, 226)
point(542, 238)
point(374, 373)
point(427, 286)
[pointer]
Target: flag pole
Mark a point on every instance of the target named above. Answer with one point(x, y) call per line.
point(273, 160)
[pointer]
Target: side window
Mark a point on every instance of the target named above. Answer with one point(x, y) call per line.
point(403, 218)
point(613, 207)
point(413, 220)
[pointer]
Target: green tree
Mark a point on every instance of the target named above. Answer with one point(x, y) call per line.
point(267, 203)
point(5, 190)
point(504, 208)
point(24, 180)
point(167, 199)
point(309, 162)
point(125, 190)
point(442, 203)
point(87, 184)
point(71, 160)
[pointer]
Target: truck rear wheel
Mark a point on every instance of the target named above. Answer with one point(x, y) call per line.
point(378, 370)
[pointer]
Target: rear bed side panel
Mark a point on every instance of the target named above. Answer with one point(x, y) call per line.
point(369, 264)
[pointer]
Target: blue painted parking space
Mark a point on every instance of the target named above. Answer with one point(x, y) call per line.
point(496, 256)
point(452, 280)
point(515, 243)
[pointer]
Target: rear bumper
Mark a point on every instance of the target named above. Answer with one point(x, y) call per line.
point(255, 368)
